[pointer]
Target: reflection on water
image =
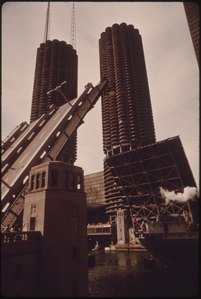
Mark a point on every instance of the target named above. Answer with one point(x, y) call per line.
point(122, 274)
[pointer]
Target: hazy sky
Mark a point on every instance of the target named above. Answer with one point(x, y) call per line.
point(172, 69)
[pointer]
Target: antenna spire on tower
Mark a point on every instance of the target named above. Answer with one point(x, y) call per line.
point(46, 35)
point(73, 28)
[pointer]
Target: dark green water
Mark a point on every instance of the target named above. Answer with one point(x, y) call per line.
point(123, 274)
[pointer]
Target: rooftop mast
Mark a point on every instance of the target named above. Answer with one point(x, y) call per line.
point(73, 28)
point(46, 34)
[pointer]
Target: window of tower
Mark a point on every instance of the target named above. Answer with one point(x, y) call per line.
point(33, 210)
point(32, 182)
point(38, 180)
point(54, 177)
point(70, 181)
point(43, 179)
point(32, 223)
point(79, 182)
point(74, 182)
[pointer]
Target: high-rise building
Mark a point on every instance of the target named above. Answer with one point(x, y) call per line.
point(126, 106)
point(94, 187)
point(193, 19)
point(135, 165)
point(56, 62)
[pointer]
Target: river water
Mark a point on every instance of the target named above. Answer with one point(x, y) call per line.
point(125, 274)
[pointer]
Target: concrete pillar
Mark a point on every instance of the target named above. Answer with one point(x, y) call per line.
point(132, 239)
point(120, 222)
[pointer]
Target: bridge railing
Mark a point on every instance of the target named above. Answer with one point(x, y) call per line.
point(98, 229)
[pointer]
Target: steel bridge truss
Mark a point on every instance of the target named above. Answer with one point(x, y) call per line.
point(41, 141)
point(137, 174)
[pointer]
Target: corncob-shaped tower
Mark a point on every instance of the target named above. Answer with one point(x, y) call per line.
point(126, 106)
point(56, 62)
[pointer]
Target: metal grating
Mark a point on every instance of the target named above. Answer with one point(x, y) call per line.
point(138, 173)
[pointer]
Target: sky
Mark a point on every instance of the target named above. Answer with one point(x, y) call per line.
point(171, 64)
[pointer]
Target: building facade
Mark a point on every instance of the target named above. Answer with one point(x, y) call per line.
point(56, 62)
point(94, 187)
point(192, 11)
